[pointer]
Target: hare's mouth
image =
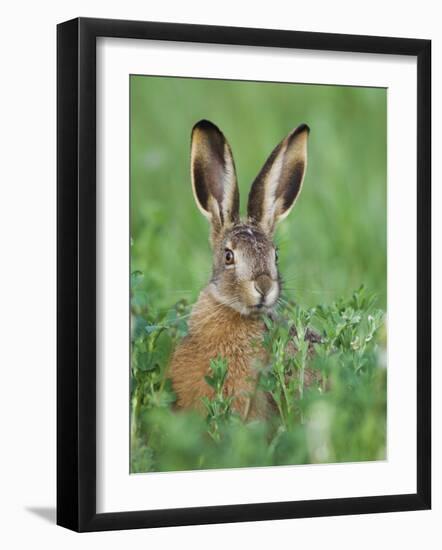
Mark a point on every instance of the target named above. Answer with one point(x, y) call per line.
point(263, 307)
point(265, 299)
point(254, 310)
point(265, 304)
point(250, 309)
point(248, 301)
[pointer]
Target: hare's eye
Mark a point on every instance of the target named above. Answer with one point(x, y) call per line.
point(229, 258)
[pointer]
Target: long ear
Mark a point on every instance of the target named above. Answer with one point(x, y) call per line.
point(279, 183)
point(213, 176)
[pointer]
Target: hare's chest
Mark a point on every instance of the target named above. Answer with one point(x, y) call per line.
point(243, 355)
point(243, 352)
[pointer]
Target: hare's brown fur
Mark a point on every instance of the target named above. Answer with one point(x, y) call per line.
point(226, 320)
point(218, 330)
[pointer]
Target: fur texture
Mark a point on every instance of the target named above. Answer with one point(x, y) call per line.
point(218, 330)
point(227, 320)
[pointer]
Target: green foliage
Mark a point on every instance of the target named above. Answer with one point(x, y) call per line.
point(340, 415)
point(284, 377)
point(218, 407)
point(153, 336)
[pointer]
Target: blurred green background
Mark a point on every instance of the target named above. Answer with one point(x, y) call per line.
point(334, 239)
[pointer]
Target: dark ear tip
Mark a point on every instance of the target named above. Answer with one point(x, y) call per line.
point(300, 129)
point(205, 125)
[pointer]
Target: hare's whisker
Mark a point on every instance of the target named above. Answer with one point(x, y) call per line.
point(283, 302)
point(300, 289)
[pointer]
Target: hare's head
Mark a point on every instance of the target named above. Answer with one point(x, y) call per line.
point(245, 271)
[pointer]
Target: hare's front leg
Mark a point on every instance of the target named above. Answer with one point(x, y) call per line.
point(248, 402)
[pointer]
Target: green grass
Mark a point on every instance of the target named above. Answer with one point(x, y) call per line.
point(334, 241)
point(340, 417)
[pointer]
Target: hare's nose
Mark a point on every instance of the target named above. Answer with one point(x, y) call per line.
point(263, 284)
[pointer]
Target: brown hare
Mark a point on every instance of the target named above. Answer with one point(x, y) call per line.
point(227, 320)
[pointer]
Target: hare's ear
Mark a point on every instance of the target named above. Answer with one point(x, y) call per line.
point(213, 176)
point(279, 183)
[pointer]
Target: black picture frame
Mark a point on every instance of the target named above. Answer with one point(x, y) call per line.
point(76, 273)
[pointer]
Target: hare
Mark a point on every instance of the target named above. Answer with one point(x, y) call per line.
point(227, 319)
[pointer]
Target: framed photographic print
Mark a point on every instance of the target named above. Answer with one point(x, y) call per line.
point(239, 213)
